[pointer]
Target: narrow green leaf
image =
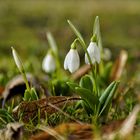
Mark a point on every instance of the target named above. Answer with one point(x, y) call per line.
point(72, 85)
point(87, 95)
point(96, 26)
point(106, 93)
point(27, 96)
point(96, 30)
point(34, 95)
point(86, 82)
point(77, 33)
point(52, 42)
point(110, 97)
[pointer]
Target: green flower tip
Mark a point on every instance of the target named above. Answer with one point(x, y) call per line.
point(94, 38)
point(73, 45)
point(68, 20)
point(51, 52)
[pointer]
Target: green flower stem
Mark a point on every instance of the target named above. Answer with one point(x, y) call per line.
point(26, 81)
point(58, 65)
point(19, 64)
point(95, 78)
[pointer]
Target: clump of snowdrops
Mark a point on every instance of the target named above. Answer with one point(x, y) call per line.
point(96, 101)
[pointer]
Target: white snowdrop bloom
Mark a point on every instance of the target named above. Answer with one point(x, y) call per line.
point(94, 53)
point(49, 64)
point(72, 61)
point(17, 59)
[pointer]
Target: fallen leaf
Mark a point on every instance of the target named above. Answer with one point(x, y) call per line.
point(118, 66)
point(16, 86)
point(69, 131)
point(75, 131)
point(29, 110)
point(80, 72)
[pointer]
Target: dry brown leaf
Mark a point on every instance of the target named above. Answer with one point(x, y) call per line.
point(112, 126)
point(30, 109)
point(80, 72)
point(126, 128)
point(75, 131)
point(17, 86)
point(119, 65)
point(128, 125)
point(69, 131)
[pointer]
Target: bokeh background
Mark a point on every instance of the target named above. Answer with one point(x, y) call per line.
point(24, 23)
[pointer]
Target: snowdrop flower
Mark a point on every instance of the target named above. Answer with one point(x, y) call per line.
point(94, 53)
point(49, 64)
point(72, 60)
point(17, 60)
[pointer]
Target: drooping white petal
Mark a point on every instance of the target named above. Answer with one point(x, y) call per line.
point(90, 50)
point(94, 53)
point(49, 64)
point(66, 61)
point(97, 54)
point(74, 61)
point(92, 59)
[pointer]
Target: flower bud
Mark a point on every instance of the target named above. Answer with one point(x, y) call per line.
point(17, 60)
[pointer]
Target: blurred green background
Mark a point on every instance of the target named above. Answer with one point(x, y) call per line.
point(23, 24)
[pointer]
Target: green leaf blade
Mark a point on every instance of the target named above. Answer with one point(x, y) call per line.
point(105, 94)
point(52, 42)
point(87, 95)
point(72, 85)
point(86, 82)
point(34, 95)
point(110, 97)
point(96, 30)
point(77, 33)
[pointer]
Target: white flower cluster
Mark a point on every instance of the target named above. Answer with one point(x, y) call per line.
point(72, 60)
